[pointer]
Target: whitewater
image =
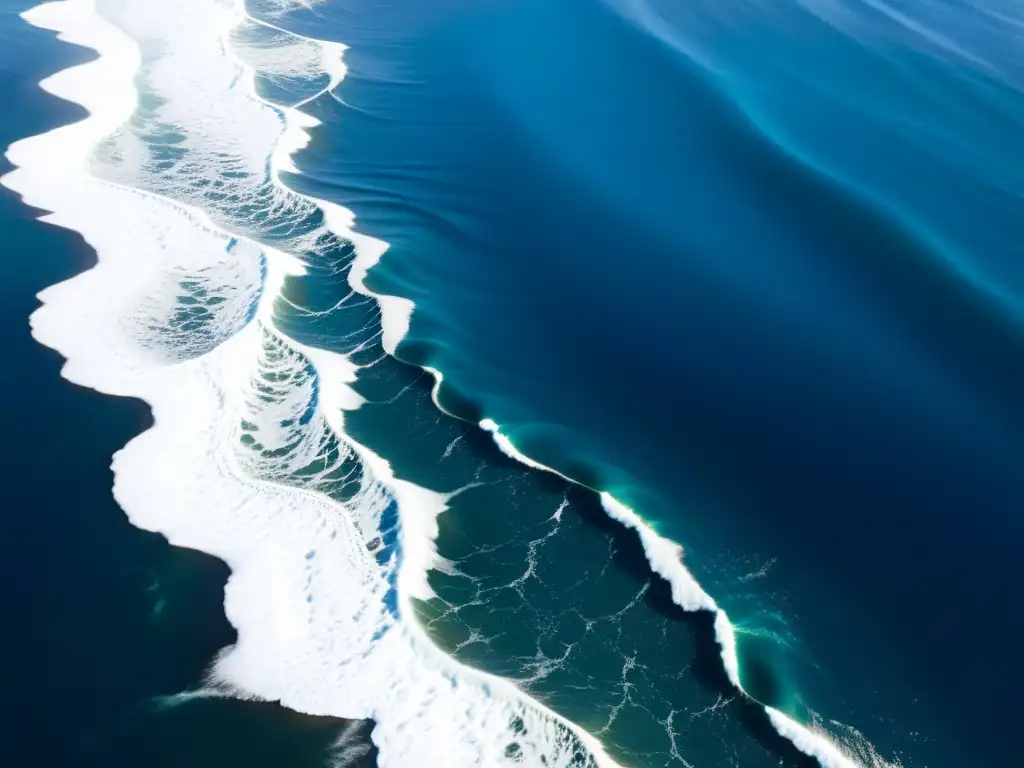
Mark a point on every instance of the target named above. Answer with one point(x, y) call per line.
point(174, 179)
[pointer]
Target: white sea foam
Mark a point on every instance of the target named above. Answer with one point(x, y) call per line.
point(396, 311)
point(812, 742)
point(276, 54)
point(218, 470)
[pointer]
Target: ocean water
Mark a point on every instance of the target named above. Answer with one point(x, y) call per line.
point(592, 382)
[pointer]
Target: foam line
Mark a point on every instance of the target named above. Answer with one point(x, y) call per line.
point(304, 594)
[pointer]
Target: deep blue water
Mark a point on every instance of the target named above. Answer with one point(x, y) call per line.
point(755, 271)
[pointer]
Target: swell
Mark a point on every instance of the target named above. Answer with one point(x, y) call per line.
point(205, 476)
point(665, 557)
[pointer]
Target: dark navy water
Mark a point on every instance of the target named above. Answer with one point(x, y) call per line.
point(104, 624)
point(755, 271)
